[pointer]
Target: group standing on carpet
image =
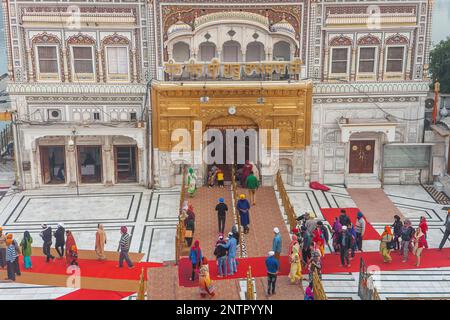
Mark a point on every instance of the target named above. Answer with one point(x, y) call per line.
point(65, 246)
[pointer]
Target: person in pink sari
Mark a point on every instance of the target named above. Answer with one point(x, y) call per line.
point(246, 169)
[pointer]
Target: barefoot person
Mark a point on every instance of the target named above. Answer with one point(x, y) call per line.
point(124, 246)
point(60, 240)
point(204, 281)
point(243, 207)
point(70, 242)
point(221, 209)
point(272, 267)
point(252, 184)
point(344, 242)
point(295, 273)
point(11, 257)
point(420, 242)
point(196, 257)
point(446, 232)
point(100, 241)
point(46, 236)
point(385, 241)
point(191, 182)
point(276, 243)
point(26, 249)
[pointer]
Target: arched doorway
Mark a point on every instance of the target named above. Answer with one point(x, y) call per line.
point(230, 141)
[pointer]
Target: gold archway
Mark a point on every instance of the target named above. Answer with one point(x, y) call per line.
point(287, 107)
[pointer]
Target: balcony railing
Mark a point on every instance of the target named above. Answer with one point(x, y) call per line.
point(244, 71)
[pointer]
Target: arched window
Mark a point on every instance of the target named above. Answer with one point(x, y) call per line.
point(207, 51)
point(255, 52)
point(282, 51)
point(231, 51)
point(181, 52)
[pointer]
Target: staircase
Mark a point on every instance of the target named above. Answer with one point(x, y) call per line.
point(362, 182)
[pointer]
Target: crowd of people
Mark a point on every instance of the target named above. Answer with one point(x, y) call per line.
point(65, 247)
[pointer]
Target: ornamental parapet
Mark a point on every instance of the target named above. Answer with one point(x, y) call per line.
point(380, 88)
point(75, 89)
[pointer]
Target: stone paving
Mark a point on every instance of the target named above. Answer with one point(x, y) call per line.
point(152, 216)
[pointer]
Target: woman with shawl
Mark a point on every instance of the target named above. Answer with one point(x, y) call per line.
point(189, 223)
point(70, 242)
point(385, 250)
point(26, 249)
point(336, 230)
point(318, 239)
point(423, 226)
point(255, 170)
point(294, 258)
point(196, 257)
point(420, 242)
point(191, 182)
point(204, 281)
point(100, 241)
point(315, 265)
point(245, 173)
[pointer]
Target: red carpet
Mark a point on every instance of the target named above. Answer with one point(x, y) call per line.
point(258, 265)
point(331, 213)
point(431, 258)
point(87, 294)
point(91, 268)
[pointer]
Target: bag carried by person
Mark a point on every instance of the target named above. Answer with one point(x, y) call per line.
point(390, 245)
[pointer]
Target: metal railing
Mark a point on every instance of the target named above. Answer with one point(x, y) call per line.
point(366, 288)
point(181, 229)
point(250, 295)
point(319, 292)
point(236, 214)
point(6, 137)
point(286, 202)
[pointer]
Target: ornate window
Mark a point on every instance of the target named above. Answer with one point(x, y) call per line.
point(207, 51)
point(117, 58)
point(181, 52)
point(47, 55)
point(367, 59)
point(395, 59)
point(282, 51)
point(339, 60)
point(82, 53)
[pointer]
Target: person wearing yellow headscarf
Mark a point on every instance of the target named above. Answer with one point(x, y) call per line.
point(385, 244)
point(294, 258)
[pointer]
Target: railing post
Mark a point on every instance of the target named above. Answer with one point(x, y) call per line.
point(179, 237)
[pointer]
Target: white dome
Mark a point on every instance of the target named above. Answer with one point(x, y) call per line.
point(283, 26)
point(179, 26)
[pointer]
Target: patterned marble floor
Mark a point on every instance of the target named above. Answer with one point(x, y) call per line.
point(151, 216)
point(413, 202)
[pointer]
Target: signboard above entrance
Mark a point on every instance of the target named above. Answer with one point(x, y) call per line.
point(235, 71)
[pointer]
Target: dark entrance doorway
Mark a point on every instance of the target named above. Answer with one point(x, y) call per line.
point(125, 160)
point(239, 153)
point(362, 155)
point(90, 164)
point(53, 162)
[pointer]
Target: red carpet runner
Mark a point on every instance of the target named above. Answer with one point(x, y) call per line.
point(90, 268)
point(331, 213)
point(87, 294)
point(431, 258)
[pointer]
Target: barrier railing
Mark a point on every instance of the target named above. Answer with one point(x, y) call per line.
point(286, 202)
point(234, 202)
point(319, 292)
point(179, 237)
point(6, 137)
point(250, 288)
point(141, 289)
point(366, 287)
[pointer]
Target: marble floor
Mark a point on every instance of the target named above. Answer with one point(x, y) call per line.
point(151, 216)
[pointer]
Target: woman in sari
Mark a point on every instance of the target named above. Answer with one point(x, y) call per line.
point(204, 281)
point(26, 249)
point(386, 238)
point(294, 258)
point(70, 241)
point(318, 239)
point(189, 223)
point(420, 243)
point(245, 173)
point(73, 256)
point(100, 241)
point(191, 182)
point(336, 230)
point(212, 176)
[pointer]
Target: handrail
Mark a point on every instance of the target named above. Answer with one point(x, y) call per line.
point(286, 202)
point(236, 214)
point(250, 288)
point(319, 292)
point(6, 136)
point(179, 237)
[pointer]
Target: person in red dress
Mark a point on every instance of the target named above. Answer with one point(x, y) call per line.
point(423, 226)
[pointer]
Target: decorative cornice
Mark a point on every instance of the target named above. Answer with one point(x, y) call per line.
point(75, 89)
point(371, 88)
